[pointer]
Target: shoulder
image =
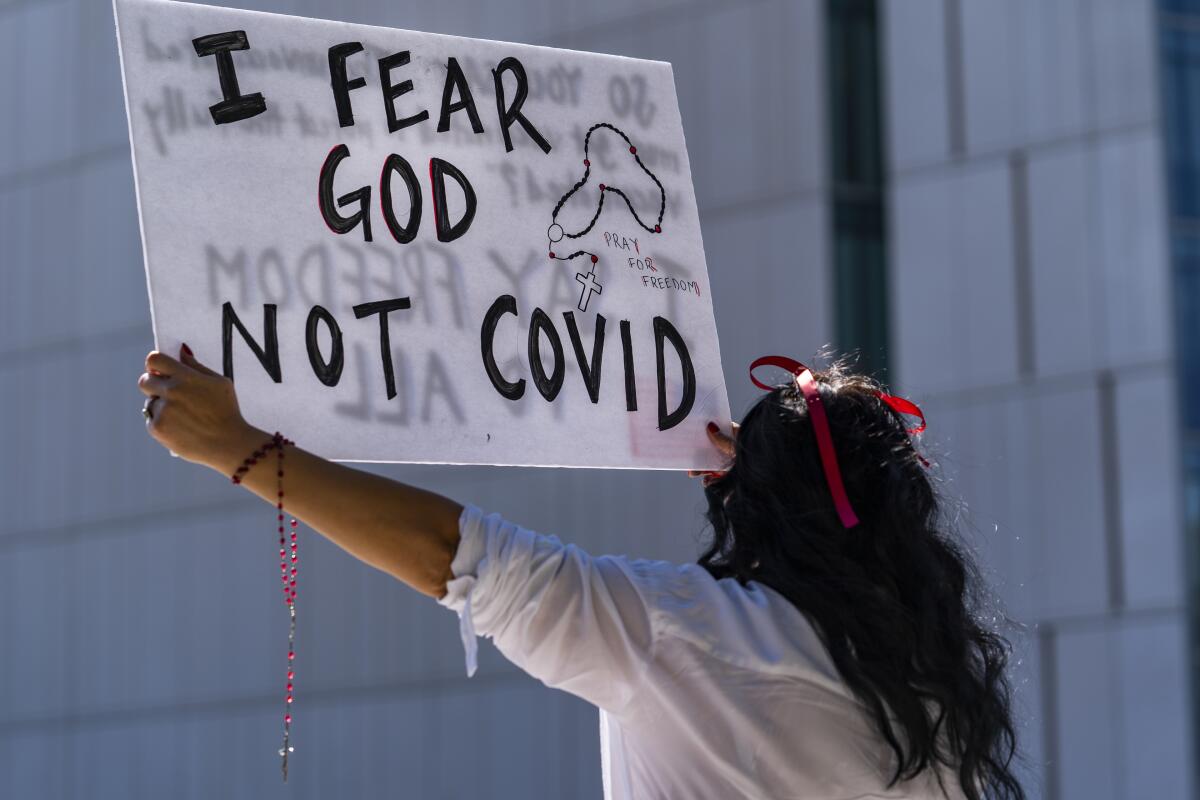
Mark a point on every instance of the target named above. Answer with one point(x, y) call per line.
point(749, 625)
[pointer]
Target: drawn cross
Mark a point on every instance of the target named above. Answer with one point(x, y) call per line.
point(590, 287)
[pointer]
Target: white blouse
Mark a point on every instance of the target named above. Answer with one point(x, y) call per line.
point(705, 688)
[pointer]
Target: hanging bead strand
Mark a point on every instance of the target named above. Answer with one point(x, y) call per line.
point(287, 576)
point(290, 599)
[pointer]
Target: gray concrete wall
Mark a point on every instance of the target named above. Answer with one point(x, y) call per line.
point(1032, 312)
point(141, 637)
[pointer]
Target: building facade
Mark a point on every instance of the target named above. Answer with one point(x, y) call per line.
point(1030, 267)
point(973, 195)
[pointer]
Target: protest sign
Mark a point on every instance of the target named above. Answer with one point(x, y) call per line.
point(411, 247)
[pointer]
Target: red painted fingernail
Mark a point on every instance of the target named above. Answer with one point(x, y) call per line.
point(712, 427)
point(187, 349)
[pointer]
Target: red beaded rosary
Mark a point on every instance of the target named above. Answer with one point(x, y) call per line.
point(289, 580)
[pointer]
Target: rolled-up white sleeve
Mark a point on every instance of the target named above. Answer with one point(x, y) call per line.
point(576, 622)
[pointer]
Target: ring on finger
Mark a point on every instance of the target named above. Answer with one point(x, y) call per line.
point(146, 411)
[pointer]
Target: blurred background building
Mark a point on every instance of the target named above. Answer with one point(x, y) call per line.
point(996, 202)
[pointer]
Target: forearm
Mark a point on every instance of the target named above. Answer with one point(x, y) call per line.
point(409, 533)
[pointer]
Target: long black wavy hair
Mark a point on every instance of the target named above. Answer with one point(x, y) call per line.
point(896, 600)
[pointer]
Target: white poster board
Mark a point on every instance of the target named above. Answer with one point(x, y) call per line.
point(403, 246)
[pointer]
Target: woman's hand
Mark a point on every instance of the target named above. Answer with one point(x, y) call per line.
point(407, 532)
point(723, 443)
point(194, 411)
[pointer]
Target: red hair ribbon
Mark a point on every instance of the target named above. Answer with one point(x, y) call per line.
point(833, 475)
point(816, 412)
point(897, 404)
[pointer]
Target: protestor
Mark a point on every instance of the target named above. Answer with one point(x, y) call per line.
point(828, 643)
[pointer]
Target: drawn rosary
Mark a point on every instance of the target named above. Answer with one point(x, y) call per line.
point(555, 233)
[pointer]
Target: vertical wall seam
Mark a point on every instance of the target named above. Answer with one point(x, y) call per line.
point(1088, 61)
point(1120, 754)
point(1018, 173)
point(1048, 676)
point(955, 98)
point(1111, 483)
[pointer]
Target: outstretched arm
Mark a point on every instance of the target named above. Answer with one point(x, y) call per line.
point(407, 532)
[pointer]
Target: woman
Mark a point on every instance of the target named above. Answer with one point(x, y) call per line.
point(823, 647)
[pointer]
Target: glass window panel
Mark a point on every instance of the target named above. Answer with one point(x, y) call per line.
point(1187, 321)
point(858, 173)
point(1181, 6)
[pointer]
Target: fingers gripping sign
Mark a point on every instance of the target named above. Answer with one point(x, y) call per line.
point(724, 443)
point(191, 409)
point(155, 383)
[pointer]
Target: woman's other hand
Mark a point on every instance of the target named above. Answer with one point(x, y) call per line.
point(194, 411)
point(724, 443)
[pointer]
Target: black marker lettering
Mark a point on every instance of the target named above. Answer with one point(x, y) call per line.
point(505, 304)
point(391, 92)
point(630, 379)
point(456, 80)
point(235, 106)
point(382, 307)
point(397, 164)
point(267, 355)
point(548, 386)
point(336, 222)
point(513, 113)
point(328, 373)
point(337, 80)
point(591, 373)
point(438, 170)
point(664, 329)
